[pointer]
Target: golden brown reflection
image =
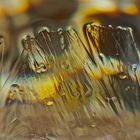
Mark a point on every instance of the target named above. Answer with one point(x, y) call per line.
point(95, 10)
point(61, 78)
point(13, 7)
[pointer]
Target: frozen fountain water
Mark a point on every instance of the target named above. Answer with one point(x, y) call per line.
point(61, 87)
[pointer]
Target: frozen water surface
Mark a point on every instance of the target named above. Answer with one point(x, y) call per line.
point(62, 88)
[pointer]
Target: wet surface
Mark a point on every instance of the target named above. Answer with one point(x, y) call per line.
point(60, 88)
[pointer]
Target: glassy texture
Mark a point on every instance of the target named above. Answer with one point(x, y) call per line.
point(114, 52)
point(110, 12)
point(64, 88)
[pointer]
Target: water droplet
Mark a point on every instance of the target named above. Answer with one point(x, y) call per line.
point(62, 93)
point(75, 94)
point(134, 67)
point(60, 30)
point(48, 101)
point(127, 88)
point(110, 26)
point(41, 68)
point(1, 40)
point(121, 28)
point(123, 76)
point(133, 87)
point(81, 131)
point(130, 88)
point(15, 88)
point(111, 98)
point(89, 28)
point(117, 54)
point(65, 65)
point(26, 41)
point(51, 137)
point(102, 57)
point(93, 125)
point(62, 42)
point(108, 99)
point(15, 92)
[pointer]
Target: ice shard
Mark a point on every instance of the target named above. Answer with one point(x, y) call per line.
point(61, 87)
point(114, 51)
